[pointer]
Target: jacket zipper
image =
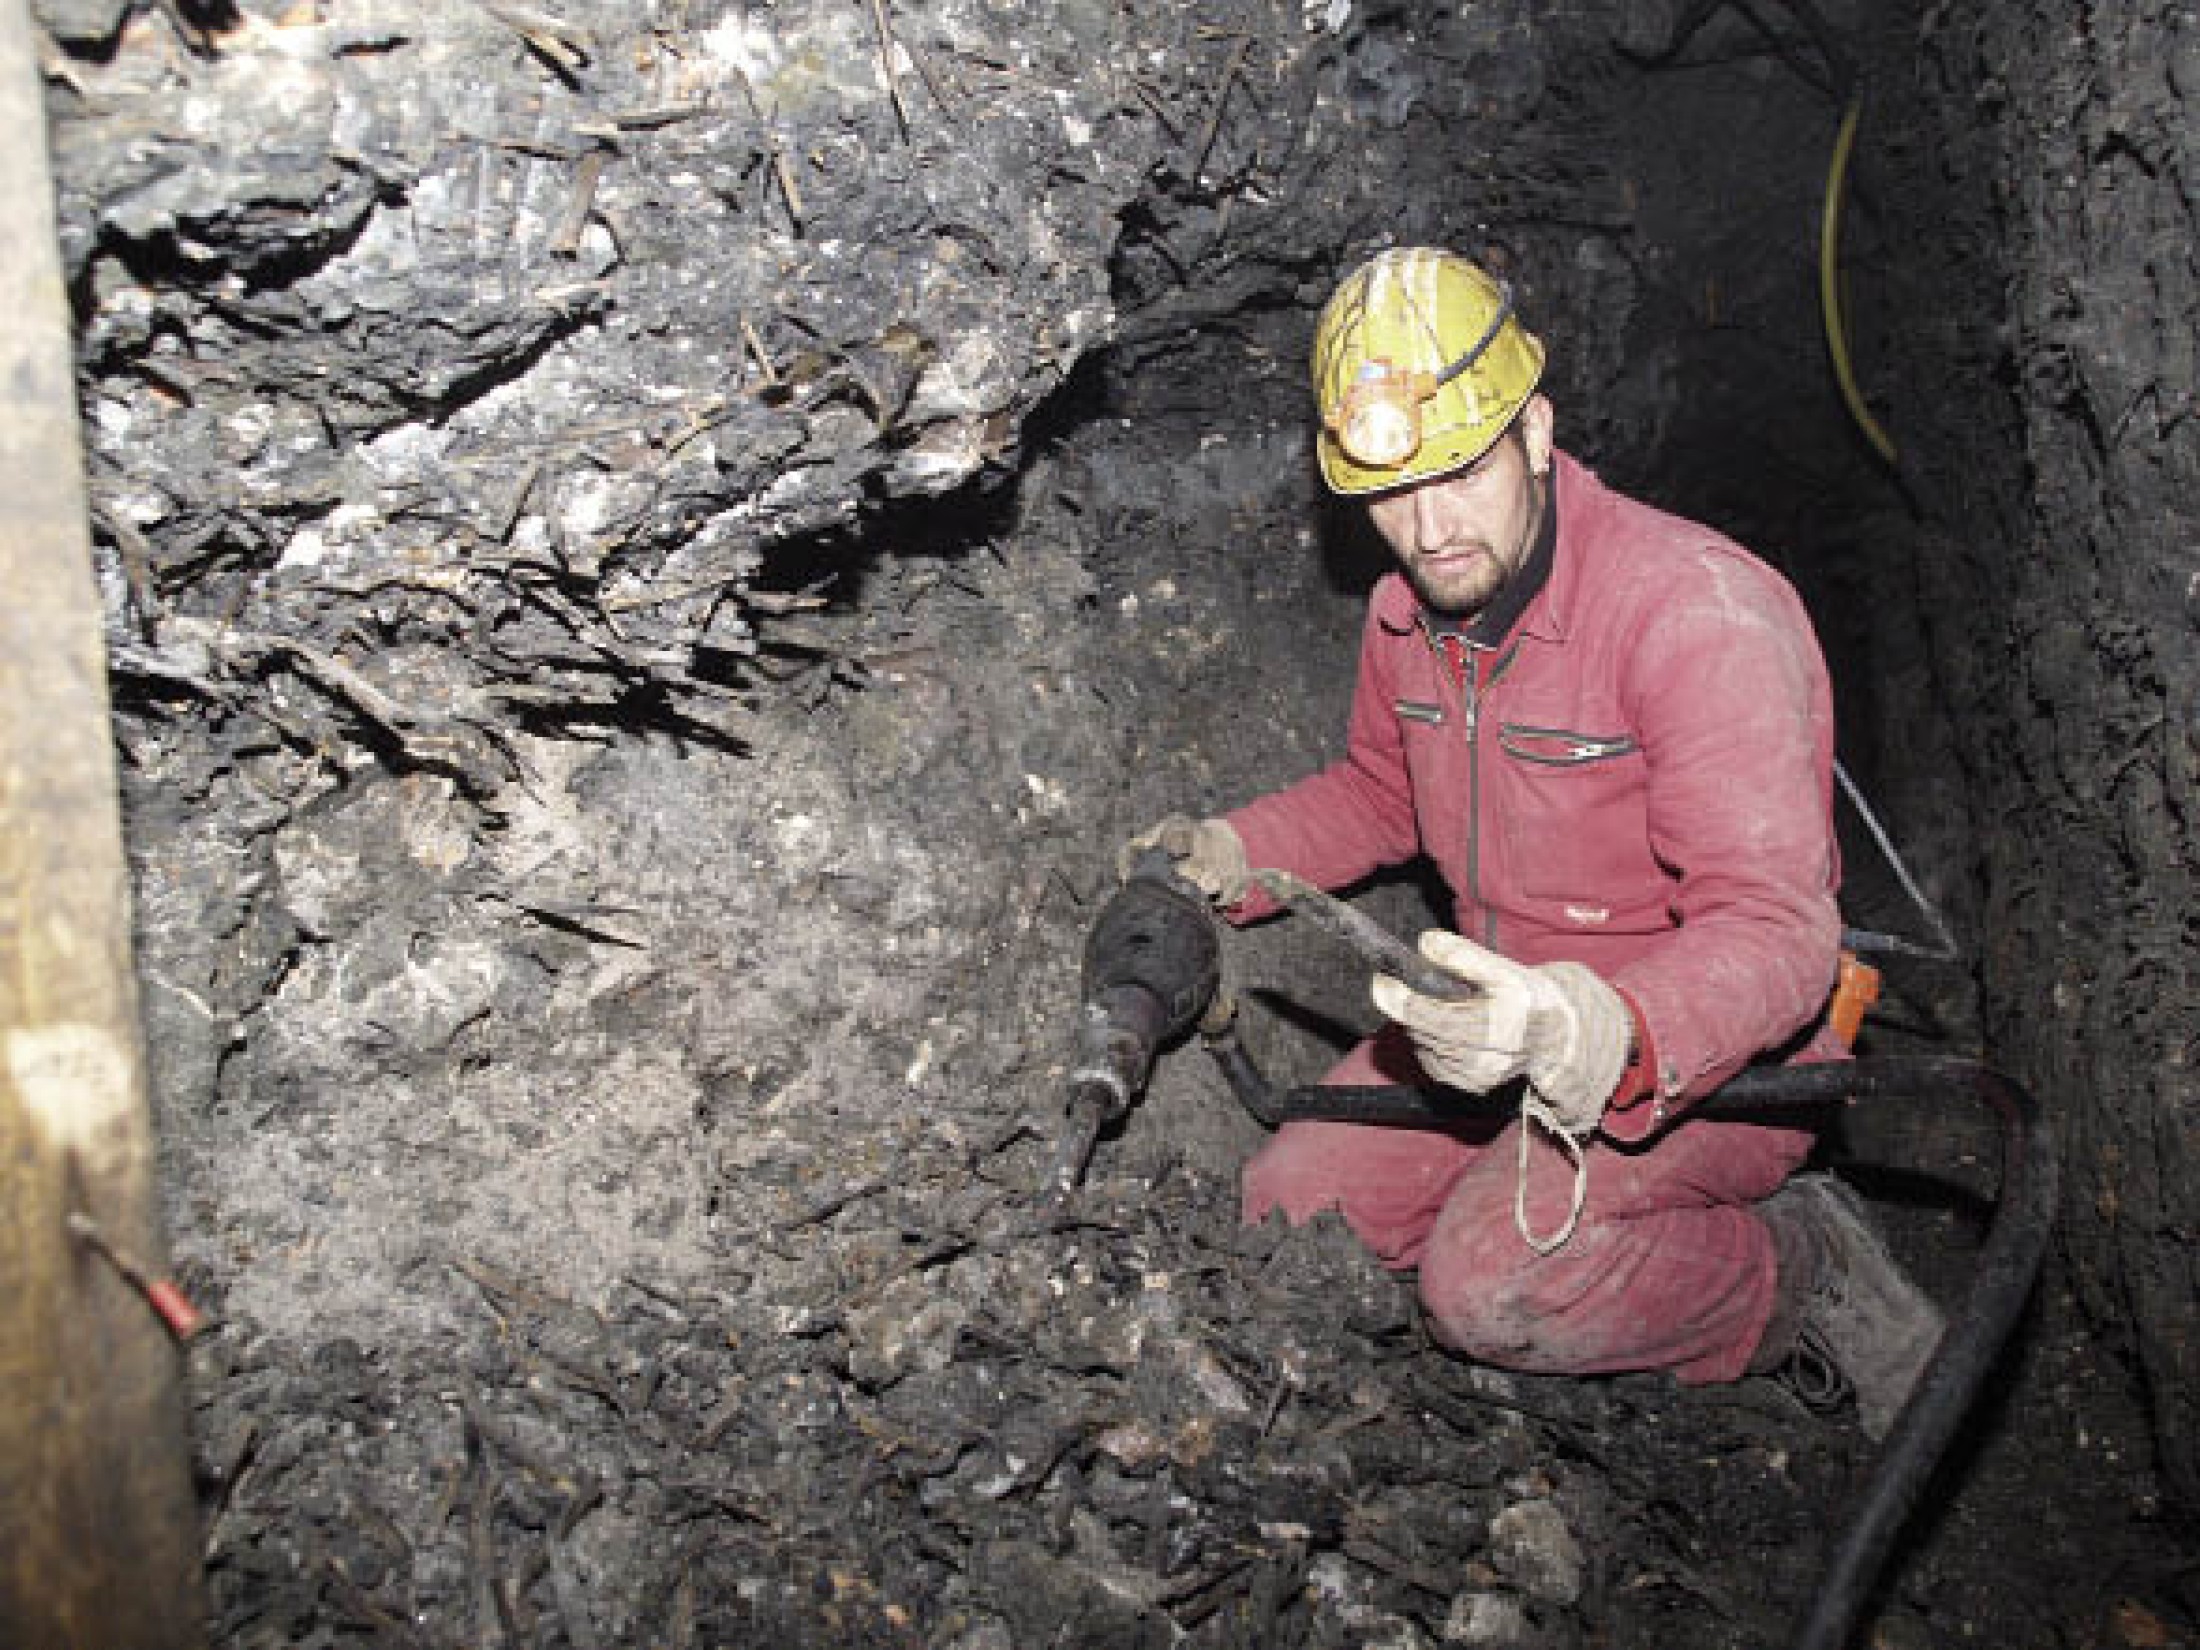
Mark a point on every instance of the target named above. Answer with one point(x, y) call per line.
point(1464, 665)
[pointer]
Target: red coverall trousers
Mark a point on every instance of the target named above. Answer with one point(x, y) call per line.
point(1666, 1270)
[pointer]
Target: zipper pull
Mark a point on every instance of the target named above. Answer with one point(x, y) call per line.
point(1460, 663)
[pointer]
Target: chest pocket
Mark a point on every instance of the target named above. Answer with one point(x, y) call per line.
point(1557, 748)
point(1574, 811)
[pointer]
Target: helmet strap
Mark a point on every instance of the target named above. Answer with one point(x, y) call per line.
point(1481, 345)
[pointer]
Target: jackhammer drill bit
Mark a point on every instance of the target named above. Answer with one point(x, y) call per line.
point(1117, 1036)
point(1152, 964)
point(1084, 1117)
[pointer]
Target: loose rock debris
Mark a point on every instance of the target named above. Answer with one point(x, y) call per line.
point(964, 1422)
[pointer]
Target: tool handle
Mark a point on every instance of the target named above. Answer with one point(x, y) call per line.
point(1374, 944)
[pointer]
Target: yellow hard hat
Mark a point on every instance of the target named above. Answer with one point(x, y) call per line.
point(1420, 365)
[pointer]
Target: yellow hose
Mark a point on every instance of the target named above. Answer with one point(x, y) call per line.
point(1829, 285)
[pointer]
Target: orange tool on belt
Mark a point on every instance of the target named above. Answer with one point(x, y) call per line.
point(1855, 989)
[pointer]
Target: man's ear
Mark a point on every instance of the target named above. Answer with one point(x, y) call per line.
point(1535, 433)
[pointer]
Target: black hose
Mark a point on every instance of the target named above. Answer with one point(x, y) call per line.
point(2002, 1281)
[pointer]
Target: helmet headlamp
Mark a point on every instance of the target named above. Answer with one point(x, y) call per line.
point(1377, 423)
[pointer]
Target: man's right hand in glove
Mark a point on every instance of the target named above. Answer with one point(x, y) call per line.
point(1208, 855)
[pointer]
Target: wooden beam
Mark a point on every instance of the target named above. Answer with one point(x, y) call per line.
point(99, 1547)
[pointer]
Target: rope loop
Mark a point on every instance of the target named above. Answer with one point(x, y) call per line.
point(1536, 1112)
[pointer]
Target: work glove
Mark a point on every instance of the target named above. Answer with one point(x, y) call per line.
point(1208, 854)
point(1558, 1025)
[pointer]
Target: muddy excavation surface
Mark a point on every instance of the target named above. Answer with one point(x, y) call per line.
point(917, 1406)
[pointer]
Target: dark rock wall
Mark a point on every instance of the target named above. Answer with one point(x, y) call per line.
point(516, 346)
point(2050, 190)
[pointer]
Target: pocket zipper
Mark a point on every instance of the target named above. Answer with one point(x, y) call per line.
point(1561, 747)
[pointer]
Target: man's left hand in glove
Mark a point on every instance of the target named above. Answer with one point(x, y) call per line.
point(1558, 1025)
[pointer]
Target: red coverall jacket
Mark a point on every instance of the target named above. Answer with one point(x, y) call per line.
point(1639, 778)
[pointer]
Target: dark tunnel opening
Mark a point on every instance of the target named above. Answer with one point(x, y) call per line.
point(651, 555)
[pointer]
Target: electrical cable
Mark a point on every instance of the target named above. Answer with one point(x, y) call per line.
point(1829, 286)
point(1864, 939)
